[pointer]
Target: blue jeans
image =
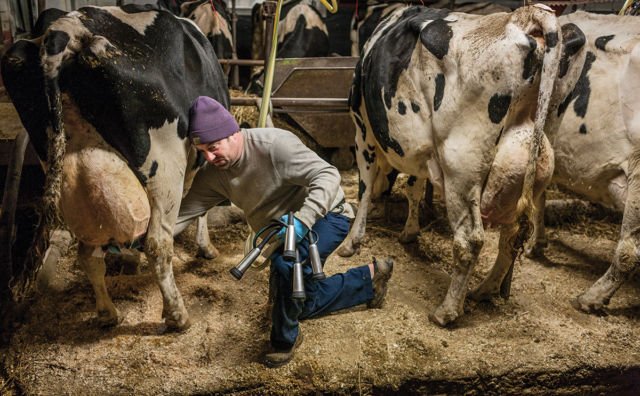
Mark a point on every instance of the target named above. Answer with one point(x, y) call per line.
point(337, 292)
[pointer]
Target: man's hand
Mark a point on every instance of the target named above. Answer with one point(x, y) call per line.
point(301, 229)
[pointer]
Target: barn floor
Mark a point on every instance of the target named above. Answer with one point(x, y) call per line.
point(534, 343)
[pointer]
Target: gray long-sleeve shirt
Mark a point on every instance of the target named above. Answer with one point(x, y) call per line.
point(275, 174)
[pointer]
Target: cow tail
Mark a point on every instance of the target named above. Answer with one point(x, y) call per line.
point(55, 155)
point(550, 27)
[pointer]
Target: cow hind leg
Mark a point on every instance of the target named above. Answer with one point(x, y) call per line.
point(164, 197)
point(382, 187)
point(91, 260)
point(466, 222)
point(205, 247)
point(623, 266)
point(508, 248)
point(353, 240)
point(369, 167)
point(159, 250)
point(412, 225)
point(626, 257)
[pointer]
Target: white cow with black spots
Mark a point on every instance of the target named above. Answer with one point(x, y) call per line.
point(460, 99)
point(597, 144)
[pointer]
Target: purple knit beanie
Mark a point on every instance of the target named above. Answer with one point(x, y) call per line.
point(209, 121)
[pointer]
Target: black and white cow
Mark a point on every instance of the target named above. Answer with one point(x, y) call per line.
point(372, 12)
point(105, 97)
point(302, 33)
point(45, 19)
point(460, 99)
point(213, 18)
point(597, 143)
point(172, 6)
point(365, 20)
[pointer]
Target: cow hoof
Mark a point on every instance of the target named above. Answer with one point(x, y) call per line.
point(408, 237)
point(483, 295)
point(581, 303)
point(443, 317)
point(342, 158)
point(209, 252)
point(177, 327)
point(535, 252)
point(376, 212)
point(106, 319)
point(346, 250)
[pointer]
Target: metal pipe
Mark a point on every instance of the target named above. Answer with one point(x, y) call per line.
point(322, 102)
point(269, 121)
point(246, 262)
point(333, 103)
point(2, 49)
point(270, 59)
point(289, 252)
point(316, 262)
point(242, 62)
point(268, 10)
point(239, 270)
point(41, 4)
point(235, 76)
point(298, 280)
point(310, 110)
point(9, 205)
point(248, 101)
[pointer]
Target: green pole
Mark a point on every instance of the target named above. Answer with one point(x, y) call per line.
point(268, 79)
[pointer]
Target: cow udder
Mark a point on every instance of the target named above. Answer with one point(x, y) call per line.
point(102, 200)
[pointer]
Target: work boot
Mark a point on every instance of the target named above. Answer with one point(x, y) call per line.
point(280, 357)
point(381, 275)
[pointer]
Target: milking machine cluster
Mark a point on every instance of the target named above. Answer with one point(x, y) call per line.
point(290, 253)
